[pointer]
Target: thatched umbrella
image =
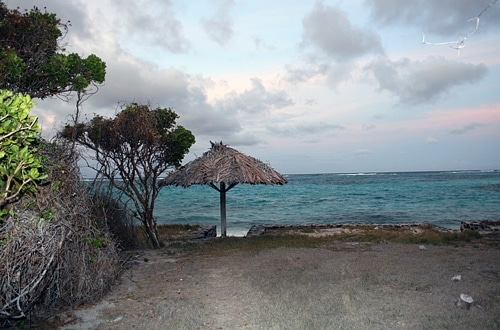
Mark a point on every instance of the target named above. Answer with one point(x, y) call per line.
point(226, 167)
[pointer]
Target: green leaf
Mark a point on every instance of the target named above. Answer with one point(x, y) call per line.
point(20, 163)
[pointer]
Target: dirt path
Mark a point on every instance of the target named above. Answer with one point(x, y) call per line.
point(342, 286)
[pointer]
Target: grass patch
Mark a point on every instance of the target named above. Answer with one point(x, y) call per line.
point(254, 245)
point(308, 230)
point(167, 233)
point(424, 234)
point(175, 236)
point(174, 230)
point(421, 235)
point(428, 235)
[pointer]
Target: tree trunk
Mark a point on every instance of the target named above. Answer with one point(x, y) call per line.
point(152, 232)
point(153, 237)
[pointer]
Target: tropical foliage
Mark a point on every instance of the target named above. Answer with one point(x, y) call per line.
point(132, 151)
point(32, 61)
point(20, 164)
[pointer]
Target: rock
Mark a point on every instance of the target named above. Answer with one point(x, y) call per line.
point(482, 226)
point(203, 232)
point(465, 301)
point(456, 278)
point(256, 230)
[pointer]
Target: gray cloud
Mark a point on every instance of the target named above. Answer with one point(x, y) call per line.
point(187, 95)
point(261, 44)
point(336, 44)
point(220, 26)
point(174, 88)
point(362, 152)
point(300, 75)
point(304, 129)
point(330, 30)
point(444, 17)
point(255, 100)
point(466, 128)
point(416, 82)
point(334, 73)
point(431, 140)
point(243, 139)
point(158, 27)
point(136, 81)
point(66, 11)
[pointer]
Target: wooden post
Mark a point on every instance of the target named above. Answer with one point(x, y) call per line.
point(222, 191)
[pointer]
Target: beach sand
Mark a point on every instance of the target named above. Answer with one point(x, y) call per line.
point(339, 285)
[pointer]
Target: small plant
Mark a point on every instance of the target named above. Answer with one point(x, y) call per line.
point(20, 164)
point(96, 243)
point(47, 213)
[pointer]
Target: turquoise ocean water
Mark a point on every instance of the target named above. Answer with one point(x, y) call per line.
point(441, 198)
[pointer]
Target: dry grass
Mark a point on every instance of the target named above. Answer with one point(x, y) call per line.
point(168, 233)
point(301, 281)
point(312, 238)
point(356, 278)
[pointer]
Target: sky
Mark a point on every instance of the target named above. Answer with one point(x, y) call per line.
point(309, 87)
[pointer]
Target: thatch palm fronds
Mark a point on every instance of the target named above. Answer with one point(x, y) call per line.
point(226, 167)
point(224, 164)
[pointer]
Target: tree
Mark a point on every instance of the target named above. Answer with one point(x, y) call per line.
point(31, 60)
point(20, 163)
point(133, 151)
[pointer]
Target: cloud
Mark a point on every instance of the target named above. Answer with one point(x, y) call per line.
point(466, 128)
point(243, 139)
point(431, 140)
point(255, 100)
point(329, 30)
point(219, 26)
point(262, 45)
point(362, 152)
point(66, 11)
point(445, 18)
point(305, 73)
point(132, 80)
point(417, 82)
point(368, 127)
point(334, 73)
point(304, 129)
point(336, 45)
point(149, 22)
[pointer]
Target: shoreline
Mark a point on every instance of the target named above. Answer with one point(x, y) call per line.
point(211, 231)
point(257, 230)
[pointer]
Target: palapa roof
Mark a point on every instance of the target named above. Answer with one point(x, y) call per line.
point(222, 164)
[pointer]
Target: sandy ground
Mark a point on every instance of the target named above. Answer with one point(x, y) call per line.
point(342, 285)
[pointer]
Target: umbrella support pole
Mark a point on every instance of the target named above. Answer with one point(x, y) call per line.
point(222, 191)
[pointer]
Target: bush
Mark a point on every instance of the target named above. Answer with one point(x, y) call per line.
point(55, 251)
point(20, 163)
point(117, 217)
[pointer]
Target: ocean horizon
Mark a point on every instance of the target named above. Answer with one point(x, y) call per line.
point(441, 198)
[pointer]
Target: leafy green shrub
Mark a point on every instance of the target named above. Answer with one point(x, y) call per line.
point(20, 165)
